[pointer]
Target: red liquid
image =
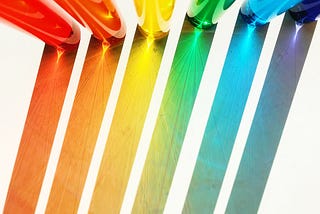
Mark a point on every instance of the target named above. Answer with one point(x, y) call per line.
point(101, 17)
point(43, 20)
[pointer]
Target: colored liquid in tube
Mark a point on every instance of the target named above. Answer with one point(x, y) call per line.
point(260, 12)
point(43, 20)
point(154, 17)
point(306, 11)
point(101, 17)
point(204, 14)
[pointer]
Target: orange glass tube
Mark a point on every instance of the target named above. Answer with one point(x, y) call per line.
point(43, 20)
point(101, 17)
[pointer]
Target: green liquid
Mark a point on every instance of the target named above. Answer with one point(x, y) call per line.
point(205, 13)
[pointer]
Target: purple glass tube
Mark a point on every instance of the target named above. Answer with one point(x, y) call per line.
point(306, 11)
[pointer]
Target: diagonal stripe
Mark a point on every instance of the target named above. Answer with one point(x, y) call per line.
point(182, 87)
point(16, 85)
point(84, 125)
point(63, 121)
point(39, 130)
point(294, 176)
point(248, 113)
point(106, 122)
point(225, 116)
point(270, 117)
point(127, 124)
point(157, 96)
point(155, 103)
point(200, 113)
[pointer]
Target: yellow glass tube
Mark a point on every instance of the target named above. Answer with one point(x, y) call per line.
point(154, 17)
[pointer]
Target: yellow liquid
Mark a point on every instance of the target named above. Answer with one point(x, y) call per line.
point(154, 16)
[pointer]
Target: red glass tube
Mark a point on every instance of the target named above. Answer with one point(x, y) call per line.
point(42, 19)
point(101, 17)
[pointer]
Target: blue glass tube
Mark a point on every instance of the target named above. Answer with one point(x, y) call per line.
point(306, 11)
point(260, 12)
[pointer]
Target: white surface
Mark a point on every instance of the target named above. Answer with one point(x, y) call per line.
point(155, 103)
point(18, 70)
point(248, 114)
point(98, 152)
point(293, 185)
point(63, 122)
point(201, 111)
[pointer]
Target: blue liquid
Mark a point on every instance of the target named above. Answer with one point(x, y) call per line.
point(307, 11)
point(260, 12)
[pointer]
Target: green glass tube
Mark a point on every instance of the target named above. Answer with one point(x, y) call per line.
point(206, 13)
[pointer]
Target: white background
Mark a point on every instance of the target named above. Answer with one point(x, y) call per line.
point(293, 185)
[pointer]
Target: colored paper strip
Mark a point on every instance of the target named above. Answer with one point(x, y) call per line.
point(135, 95)
point(270, 117)
point(181, 90)
point(225, 116)
point(39, 130)
point(83, 128)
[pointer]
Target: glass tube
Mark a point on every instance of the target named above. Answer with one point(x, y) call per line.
point(306, 11)
point(260, 12)
point(154, 17)
point(101, 17)
point(43, 20)
point(204, 14)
